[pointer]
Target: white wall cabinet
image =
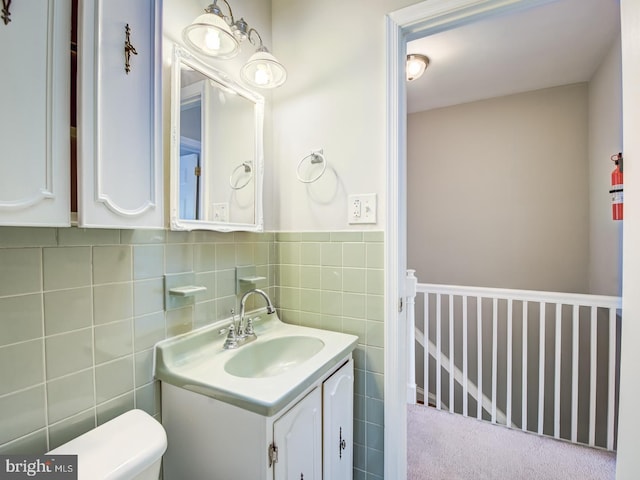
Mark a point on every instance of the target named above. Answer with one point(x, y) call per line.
point(119, 114)
point(119, 139)
point(34, 113)
point(212, 440)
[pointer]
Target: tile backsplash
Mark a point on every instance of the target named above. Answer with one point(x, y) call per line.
point(81, 309)
point(335, 281)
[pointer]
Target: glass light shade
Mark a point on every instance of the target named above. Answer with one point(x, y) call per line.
point(210, 35)
point(262, 70)
point(416, 65)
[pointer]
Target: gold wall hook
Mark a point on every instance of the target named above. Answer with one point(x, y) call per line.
point(128, 49)
point(6, 14)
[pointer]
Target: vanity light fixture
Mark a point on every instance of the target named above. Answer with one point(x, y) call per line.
point(210, 34)
point(262, 70)
point(218, 36)
point(416, 65)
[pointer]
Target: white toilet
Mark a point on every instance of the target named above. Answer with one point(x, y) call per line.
point(127, 447)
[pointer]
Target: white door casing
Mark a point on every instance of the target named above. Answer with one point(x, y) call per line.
point(403, 25)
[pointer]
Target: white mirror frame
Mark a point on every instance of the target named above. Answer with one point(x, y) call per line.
point(182, 57)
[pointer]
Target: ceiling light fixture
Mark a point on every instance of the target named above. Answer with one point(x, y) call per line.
point(218, 36)
point(416, 65)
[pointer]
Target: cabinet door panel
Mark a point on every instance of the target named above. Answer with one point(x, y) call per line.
point(337, 393)
point(298, 436)
point(119, 138)
point(34, 114)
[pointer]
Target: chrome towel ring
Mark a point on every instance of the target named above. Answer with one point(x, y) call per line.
point(315, 157)
point(246, 167)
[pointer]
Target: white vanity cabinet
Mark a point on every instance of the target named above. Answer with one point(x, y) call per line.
point(337, 410)
point(120, 159)
point(34, 113)
point(209, 439)
point(296, 450)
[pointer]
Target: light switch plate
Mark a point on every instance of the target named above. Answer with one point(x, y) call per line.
point(362, 208)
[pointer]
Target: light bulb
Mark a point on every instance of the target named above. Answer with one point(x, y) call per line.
point(414, 68)
point(212, 39)
point(262, 75)
point(416, 65)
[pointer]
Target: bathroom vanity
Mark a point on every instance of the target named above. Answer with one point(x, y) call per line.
point(288, 415)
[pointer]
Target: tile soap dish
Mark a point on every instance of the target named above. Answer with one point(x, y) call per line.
point(188, 290)
point(180, 290)
point(247, 279)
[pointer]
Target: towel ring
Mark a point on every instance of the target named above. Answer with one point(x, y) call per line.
point(316, 157)
point(246, 166)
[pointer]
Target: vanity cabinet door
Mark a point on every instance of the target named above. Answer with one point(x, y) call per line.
point(119, 114)
point(337, 393)
point(298, 438)
point(35, 38)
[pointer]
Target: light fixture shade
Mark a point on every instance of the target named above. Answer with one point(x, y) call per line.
point(416, 65)
point(262, 70)
point(210, 35)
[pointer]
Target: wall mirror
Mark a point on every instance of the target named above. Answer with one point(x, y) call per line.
point(216, 149)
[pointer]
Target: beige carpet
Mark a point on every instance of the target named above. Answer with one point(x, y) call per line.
point(446, 446)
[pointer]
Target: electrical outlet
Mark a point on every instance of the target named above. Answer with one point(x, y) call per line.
point(356, 208)
point(362, 208)
point(221, 212)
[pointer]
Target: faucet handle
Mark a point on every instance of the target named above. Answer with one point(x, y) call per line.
point(249, 328)
point(232, 339)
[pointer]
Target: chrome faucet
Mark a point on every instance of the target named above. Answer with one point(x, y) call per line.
point(270, 308)
point(239, 333)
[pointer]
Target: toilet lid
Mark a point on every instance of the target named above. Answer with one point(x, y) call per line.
point(118, 449)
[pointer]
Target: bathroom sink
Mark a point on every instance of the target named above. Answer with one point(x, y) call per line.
point(262, 376)
point(273, 357)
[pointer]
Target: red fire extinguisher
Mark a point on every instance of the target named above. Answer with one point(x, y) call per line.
point(616, 187)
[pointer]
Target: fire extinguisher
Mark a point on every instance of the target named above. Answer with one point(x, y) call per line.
point(616, 187)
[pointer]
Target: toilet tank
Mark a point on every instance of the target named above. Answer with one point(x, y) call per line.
point(127, 447)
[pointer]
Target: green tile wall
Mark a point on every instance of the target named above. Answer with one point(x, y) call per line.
point(80, 312)
point(335, 281)
point(81, 309)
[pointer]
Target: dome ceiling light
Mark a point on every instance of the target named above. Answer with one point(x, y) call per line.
point(416, 65)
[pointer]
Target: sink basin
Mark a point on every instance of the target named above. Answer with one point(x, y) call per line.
point(273, 357)
point(263, 376)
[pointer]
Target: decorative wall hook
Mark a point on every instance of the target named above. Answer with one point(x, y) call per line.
point(128, 49)
point(6, 14)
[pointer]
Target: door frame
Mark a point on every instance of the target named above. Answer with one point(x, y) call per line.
point(409, 23)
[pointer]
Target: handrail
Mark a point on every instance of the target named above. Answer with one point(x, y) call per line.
point(587, 300)
point(567, 363)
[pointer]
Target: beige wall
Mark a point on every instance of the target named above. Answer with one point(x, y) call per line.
point(498, 192)
point(605, 139)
